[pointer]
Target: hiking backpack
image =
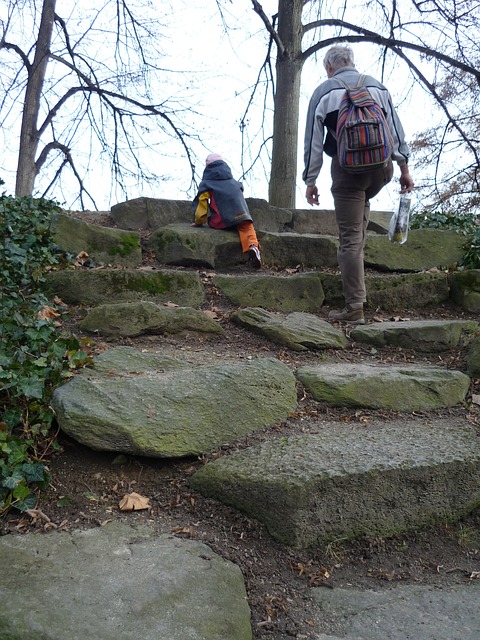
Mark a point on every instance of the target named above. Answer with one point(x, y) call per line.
point(364, 139)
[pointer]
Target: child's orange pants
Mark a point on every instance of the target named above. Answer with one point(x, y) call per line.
point(247, 234)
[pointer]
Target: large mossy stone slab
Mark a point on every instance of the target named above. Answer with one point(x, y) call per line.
point(298, 292)
point(98, 286)
point(118, 582)
point(396, 388)
point(393, 291)
point(184, 245)
point(399, 611)
point(323, 221)
point(293, 249)
point(151, 213)
point(146, 408)
point(132, 319)
point(424, 249)
point(351, 481)
point(465, 289)
point(429, 336)
point(314, 221)
point(297, 331)
point(104, 245)
point(266, 217)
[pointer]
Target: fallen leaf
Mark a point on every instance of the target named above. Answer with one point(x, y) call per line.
point(171, 305)
point(134, 502)
point(211, 314)
point(47, 312)
point(81, 259)
point(476, 398)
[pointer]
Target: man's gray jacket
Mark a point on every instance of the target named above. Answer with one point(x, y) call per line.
point(322, 116)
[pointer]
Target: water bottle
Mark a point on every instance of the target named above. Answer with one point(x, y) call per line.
point(398, 230)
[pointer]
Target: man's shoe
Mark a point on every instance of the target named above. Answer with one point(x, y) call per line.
point(348, 314)
point(254, 256)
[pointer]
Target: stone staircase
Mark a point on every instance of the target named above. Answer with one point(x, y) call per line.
point(320, 432)
point(407, 467)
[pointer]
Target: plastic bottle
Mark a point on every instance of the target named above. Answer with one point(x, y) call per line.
point(398, 230)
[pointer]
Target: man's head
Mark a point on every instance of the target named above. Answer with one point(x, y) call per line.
point(337, 57)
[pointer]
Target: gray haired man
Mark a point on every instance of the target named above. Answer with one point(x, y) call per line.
point(351, 191)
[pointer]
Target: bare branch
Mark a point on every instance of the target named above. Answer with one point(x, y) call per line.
point(371, 36)
point(257, 7)
point(21, 54)
point(46, 150)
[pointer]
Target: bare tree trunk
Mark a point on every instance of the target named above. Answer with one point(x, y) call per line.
point(289, 65)
point(29, 138)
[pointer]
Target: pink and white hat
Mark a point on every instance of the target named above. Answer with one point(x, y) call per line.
point(213, 157)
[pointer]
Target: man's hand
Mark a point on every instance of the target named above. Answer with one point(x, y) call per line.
point(406, 181)
point(312, 195)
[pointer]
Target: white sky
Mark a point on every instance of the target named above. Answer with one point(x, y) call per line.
point(224, 68)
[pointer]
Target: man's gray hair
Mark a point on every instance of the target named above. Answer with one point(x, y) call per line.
point(338, 56)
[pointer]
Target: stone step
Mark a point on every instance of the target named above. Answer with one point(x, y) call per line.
point(180, 244)
point(152, 213)
point(289, 241)
point(125, 582)
point(344, 482)
point(399, 388)
point(184, 245)
point(141, 403)
point(429, 336)
point(292, 292)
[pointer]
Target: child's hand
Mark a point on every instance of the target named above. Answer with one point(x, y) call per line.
point(195, 224)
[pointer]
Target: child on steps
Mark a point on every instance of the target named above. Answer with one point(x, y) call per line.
point(220, 203)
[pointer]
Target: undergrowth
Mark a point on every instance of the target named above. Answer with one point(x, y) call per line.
point(34, 355)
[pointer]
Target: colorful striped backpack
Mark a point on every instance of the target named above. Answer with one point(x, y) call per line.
point(364, 139)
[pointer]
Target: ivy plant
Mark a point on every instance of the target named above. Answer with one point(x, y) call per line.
point(34, 355)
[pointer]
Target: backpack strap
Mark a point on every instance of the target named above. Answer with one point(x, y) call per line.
point(360, 83)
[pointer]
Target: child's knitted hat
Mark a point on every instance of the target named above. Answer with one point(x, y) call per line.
point(213, 157)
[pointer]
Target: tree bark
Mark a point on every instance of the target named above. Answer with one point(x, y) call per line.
point(29, 136)
point(286, 105)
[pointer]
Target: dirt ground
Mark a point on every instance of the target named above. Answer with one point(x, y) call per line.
point(87, 488)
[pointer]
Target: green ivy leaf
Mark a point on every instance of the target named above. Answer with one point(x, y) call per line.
point(34, 471)
point(27, 503)
point(14, 480)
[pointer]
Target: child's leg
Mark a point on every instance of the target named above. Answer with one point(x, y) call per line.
point(247, 234)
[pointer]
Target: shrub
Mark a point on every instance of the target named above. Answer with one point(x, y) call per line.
point(34, 356)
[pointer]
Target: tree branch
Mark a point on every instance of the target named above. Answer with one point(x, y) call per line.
point(257, 7)
point(371, 36)
point(46, 150)
point(21, 54)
